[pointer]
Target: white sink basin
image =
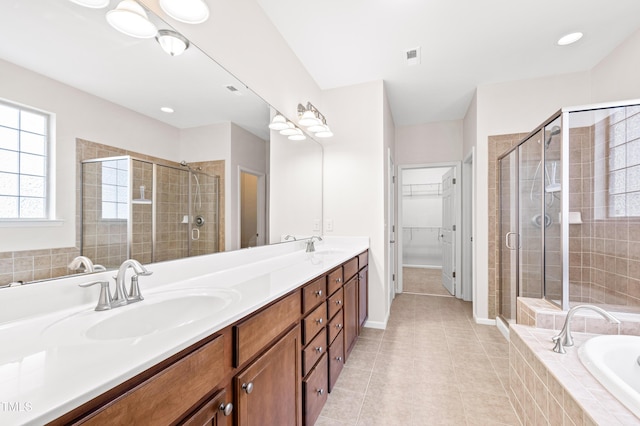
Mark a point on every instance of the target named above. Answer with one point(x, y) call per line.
point(158, 313)
point(151, 318)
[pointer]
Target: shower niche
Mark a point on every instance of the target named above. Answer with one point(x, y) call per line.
point(135, 208)
point(569, 211)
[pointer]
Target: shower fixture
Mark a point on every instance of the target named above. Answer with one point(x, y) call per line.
point(197, 203)
point(555, 130)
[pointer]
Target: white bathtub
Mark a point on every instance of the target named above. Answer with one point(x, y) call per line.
point(613, 360)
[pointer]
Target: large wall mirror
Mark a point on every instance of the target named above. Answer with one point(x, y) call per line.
point(150, 155)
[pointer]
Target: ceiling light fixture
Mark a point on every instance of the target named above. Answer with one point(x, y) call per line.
point(168, 110)
point(187, 11)
point(130, 18)
point(172, 42)
point(93, 4)
point(278, 122)
point(569, 39)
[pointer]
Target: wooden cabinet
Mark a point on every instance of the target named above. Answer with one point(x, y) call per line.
point(217, 411)
point(350, 315)
point(315, 391)
point(166, 396)
point(274, 366)
point(363, 297)
point(268, 389)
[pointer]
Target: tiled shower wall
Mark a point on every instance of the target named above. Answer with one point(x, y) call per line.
point(30, 265)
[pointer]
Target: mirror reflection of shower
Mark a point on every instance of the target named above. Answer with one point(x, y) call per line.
point(550, 181)
point(198, 194)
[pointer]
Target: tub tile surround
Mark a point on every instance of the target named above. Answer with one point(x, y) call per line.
point(547, 388)
point(543, 314)
point(52, 374)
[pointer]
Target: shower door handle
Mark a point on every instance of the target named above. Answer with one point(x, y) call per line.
point(507, 240)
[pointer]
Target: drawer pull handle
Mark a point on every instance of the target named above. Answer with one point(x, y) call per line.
point(339, 358)
point(318, 293)
point(338, 302)
point(320, 391)
point(248, 387)
point(338, 326)
point(226, 409)
point(319, 321)
point(319, 349)
point(338, 280)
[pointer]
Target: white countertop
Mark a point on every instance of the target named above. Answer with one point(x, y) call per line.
point(50, 362)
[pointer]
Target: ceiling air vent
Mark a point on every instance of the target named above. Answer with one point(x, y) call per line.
point(233, 90)
point(412, 56)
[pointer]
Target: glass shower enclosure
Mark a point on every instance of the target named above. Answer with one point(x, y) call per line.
point(133, 208)
point(569, 210)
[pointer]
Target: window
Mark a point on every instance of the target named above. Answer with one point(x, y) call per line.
point(24, 145)
point(624, 162)
point(115, 189)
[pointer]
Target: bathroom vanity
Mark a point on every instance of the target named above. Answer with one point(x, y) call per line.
point(250, 337)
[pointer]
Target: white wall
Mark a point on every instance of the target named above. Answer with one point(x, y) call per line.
point(248, 152)
point(438, 142)
point(354, 179)
point(616, 77)
point(78, 115)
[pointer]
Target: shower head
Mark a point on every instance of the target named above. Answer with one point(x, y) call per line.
point(185, 164)
point(555, 130)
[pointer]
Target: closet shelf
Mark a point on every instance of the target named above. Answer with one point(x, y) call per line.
point(422, 190)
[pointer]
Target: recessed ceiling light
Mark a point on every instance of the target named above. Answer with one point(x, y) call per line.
point(569, 39)
point(168, 110)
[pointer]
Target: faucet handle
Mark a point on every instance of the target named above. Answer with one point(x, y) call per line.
point(104, 300)
point(134, 292)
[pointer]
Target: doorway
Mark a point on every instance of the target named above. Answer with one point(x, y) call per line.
point(429, 237)
point(252, 209)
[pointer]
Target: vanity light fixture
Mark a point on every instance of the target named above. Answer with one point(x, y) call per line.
point(569, 39)
point(93, 4)
point(298, 136)
point(313, 119)
point(187, 11)
point(172, 42)
point(309, 115)
point(278, 122)
point(290, 130)
point(130, 18)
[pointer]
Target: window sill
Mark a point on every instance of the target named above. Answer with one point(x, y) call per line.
point(30, 223)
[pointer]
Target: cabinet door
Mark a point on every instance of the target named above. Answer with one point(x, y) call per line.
point(350, 315)
point(315, 391)
point(268, 390)
point(363, 297)
point(215, 412)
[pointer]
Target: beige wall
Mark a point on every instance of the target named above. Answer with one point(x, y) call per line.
point(429, 143)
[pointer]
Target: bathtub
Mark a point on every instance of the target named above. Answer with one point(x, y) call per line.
point(613, 360)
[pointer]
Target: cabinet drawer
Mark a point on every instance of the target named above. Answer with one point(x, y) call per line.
point(334, 280)
point(254, 333)
point(336, 325)
point(315, 391)
point(336, 360)
point(313, 323)
point(214, 412)
point(335, 302)
point(350, 268)
point(314, 351)
point(363, 259)
point(165, 397)
point(313, 294)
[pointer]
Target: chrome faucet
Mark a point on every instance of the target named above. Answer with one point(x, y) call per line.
point(290, 237)
point(120, 297)
point(86, 263)
point(564, 338)
point(310, 244)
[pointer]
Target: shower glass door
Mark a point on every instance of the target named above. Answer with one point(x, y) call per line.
point(508, 260)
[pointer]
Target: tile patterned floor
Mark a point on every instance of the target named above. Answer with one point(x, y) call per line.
point(431, 366)
point(423, 281)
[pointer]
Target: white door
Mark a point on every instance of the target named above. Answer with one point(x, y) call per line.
point(448, 235)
